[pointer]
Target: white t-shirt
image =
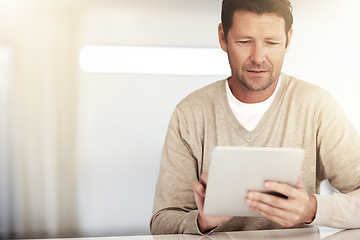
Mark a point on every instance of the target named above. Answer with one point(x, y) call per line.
point(249, 114)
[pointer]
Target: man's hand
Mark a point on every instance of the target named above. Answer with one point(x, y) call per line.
point(299, 207)
point(206, 223)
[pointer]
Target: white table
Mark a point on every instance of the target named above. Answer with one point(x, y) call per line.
point(293, 234)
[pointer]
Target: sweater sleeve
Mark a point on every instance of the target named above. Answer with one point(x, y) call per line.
point(175, 209)
point(339, 162)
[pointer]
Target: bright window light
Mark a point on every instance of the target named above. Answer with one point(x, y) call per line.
point(5, 55)
point(154, 60)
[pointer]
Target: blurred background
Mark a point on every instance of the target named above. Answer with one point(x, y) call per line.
point(80, 145)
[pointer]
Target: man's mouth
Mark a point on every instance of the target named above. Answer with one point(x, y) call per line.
point(257, 71)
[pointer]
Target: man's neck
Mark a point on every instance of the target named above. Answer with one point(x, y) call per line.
point(247, 96)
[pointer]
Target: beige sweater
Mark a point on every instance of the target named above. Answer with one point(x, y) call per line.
point(301, 116)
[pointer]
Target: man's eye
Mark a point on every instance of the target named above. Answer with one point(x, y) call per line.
point(272, 43)
point(244, 42)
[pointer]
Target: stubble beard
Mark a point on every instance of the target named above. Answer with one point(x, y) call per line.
point(255, 87)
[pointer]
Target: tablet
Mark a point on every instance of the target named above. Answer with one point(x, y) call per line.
point(233, 171)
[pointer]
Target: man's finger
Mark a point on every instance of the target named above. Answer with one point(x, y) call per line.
point(267, 199)
point(299, 181)
point(198, 188)
point(204, 178)
point(199, 195)
point(280, 220)
point(282, 188)
point(267, 210)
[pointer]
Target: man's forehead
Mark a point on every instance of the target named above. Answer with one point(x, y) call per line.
point(270, 23)
point(243, 14)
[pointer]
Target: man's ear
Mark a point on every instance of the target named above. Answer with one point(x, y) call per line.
point(289, 35)
point(222, 40)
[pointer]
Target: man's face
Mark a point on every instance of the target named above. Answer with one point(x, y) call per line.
point(256, 46)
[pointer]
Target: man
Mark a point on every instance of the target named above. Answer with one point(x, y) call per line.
point(258, 106)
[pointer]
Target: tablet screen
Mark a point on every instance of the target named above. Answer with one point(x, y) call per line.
point(234, 171)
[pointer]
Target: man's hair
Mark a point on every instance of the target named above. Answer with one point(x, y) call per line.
point(282, 8)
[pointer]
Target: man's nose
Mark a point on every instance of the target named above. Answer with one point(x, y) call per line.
point(258, 53)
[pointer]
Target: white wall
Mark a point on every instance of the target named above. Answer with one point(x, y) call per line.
point(123, 126)
point(325, 49)
point(123, 118)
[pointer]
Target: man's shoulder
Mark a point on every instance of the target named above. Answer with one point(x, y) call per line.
point(306, 90)
point(205, 95)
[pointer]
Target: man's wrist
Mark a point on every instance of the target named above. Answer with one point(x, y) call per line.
point(203, 227)
point(312, 209)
